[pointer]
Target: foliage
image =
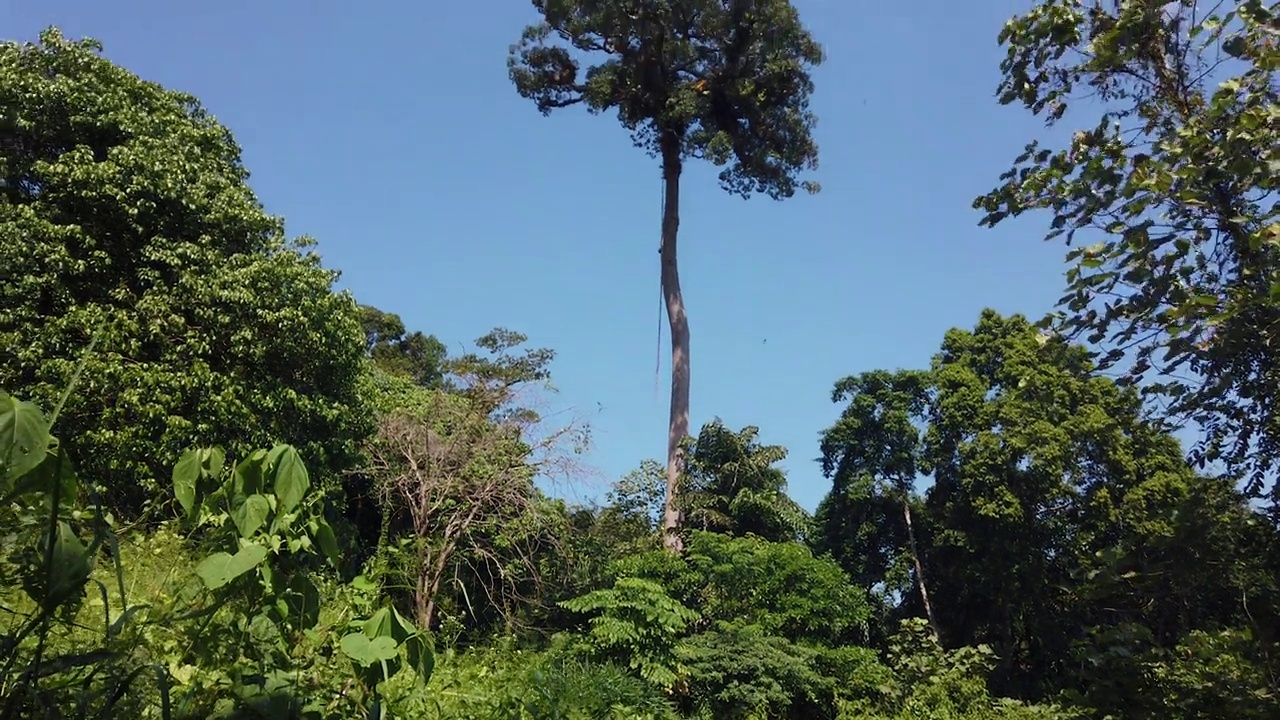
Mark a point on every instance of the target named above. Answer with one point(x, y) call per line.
point(729, 79)
point(1060, 528)
point(1218, 675)
point(497, 381)
point(930, 682)
point(635, 623)
point(732, 486)
point(636, 498)
point(124, 207)
point(399, 352)
point(872, 457)
point(255, 588)
point(1174, 176)
point(505, 682)
point(454, 473)
point(736, 672)
point(780, 587)
point(44, 554)
point(446, 475)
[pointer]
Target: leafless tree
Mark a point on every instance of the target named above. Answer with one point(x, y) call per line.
point(459, 475)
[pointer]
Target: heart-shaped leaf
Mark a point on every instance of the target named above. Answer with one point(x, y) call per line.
point(221, 568)
point(249, 513)
point(24, 437)
point(366, 651)
point(291, 480)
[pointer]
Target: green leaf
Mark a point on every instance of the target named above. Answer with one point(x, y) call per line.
point(380, 625)
point(70, 569)
point(327, 541)
point(24, 437)
point(56, 472)
point(248, 478)
point(403, 628)
point(212, 460)
point(421, 656)
point(221, 568)
point(291, 481)
point(249, 513)
point(303, 601)
point(368, 651)
point(186, 475)
point(1234, 46)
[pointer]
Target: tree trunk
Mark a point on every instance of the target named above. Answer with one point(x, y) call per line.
point(429, 582)
point(678, 422)
point(425, 603)
point(915, 558)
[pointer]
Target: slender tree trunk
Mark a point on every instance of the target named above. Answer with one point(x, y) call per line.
point(915, 558)
point(678, 423)
point(432, 577)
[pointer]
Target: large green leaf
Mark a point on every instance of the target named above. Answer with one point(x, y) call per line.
point(249, 513)
point(221, 568)
point(69, 570)
point(327, 541)
point(380, 624)
point(421, 656)
point(24, 437)
point(248, 479)
point(211, 461)
point(366, 651)
point(291, 480)
point(303, 602)
point(186, 475)
point(55, 472)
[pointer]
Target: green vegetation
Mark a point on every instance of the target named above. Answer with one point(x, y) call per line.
point(228, 491)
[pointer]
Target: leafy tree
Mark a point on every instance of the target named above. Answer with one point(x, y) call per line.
point(1039, 463)
point(125, 211)
point(397, 351)
point(1060, 528)
point(1173, 176)
point(872, 456)
point(636, 498)
point(738, 672)
point(930, 681)
point(636, 623)
point(733, 486)
point(721, 80)
point(780, 587)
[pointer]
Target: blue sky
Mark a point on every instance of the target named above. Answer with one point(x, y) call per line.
point(390, 132)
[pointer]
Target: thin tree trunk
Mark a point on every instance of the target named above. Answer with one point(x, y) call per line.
point(678, 423)
point(429, 587)
point(915, 558)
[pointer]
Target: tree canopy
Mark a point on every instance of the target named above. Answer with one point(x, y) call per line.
point(726, 80)
point(1168, 187)
point(125, 215)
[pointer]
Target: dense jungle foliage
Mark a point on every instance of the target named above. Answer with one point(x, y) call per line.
point(230, 491)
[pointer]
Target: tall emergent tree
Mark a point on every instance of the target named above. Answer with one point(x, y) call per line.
point(397, 351)
point(124, 208)
point(721, 80)
point(1173, 176)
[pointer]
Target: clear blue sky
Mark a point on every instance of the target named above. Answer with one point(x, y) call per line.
point(390, 133)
